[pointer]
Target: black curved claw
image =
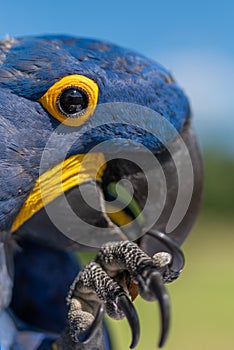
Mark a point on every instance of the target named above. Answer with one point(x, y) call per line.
point(157, 287)
point(130, 312)
point(85, 336)
point(178, 259)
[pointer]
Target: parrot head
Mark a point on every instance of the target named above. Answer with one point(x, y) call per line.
point(74, 113)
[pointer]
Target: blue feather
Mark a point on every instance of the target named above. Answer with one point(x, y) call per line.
point(31, 65)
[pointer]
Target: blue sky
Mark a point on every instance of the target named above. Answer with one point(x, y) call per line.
point(194, 39)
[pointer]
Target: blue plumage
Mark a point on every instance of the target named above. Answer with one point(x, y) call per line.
point(140, 111)
point(29, 66)
point(32, 65)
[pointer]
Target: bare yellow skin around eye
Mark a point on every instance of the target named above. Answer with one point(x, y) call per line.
point(49, 99)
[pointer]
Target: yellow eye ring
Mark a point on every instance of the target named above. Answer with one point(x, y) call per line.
point(71, 100)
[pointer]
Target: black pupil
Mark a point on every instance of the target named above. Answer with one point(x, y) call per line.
point(72, 101)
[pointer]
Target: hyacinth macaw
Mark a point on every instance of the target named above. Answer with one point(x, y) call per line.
point(85, 126)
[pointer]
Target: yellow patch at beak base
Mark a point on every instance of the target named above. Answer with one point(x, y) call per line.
point(70, 173)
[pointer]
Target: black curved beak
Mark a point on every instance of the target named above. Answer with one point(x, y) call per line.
point(177, 262)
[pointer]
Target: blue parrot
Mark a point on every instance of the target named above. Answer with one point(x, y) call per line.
point(91, 139)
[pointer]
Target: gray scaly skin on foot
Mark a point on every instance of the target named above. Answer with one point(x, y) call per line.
point(96, 284)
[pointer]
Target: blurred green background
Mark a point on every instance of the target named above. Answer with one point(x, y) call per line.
point(202, 298)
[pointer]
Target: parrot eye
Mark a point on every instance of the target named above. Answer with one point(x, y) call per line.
point(71, 100)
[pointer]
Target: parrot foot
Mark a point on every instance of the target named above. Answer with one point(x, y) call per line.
point(144, 272)
point(121, 269)
point(92, 294)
